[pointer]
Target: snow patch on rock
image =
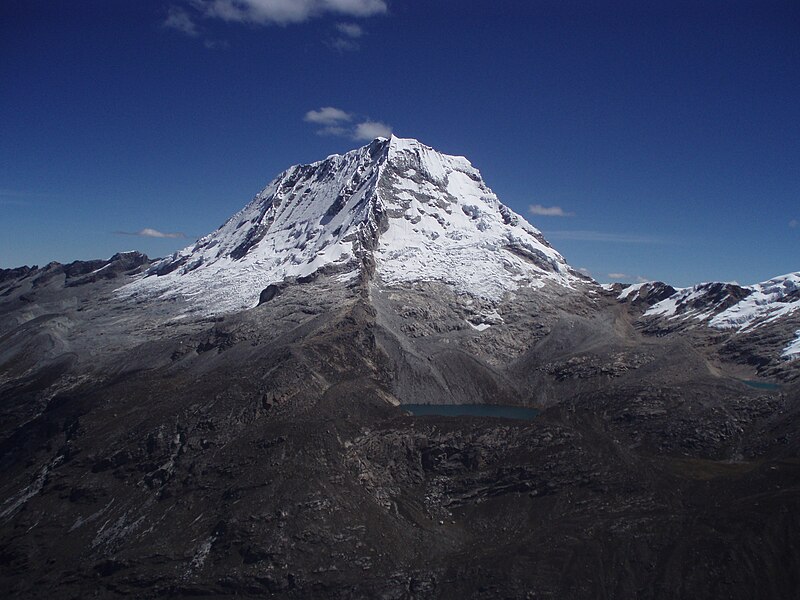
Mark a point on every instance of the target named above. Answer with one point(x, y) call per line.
point(792, 351)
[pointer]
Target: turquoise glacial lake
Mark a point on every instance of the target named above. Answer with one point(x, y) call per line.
point(760, 385)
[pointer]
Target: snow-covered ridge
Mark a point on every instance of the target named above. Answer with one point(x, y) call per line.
point(632, 291)
point(645, 291)
point(420, 214)
point(731, 306)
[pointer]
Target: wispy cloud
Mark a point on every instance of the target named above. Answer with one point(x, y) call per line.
point(327, 115)
point(548, 211)
point(187, 16)
point(180, 20)
point(347, 36)
point(624, 277)
point(338, 122)
point(351, 30)
point(369, 130)
point(152, 233)
point(184, 17)
point(601, 236)
point(793, 223)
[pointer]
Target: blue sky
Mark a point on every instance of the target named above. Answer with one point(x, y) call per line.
point(646, 139)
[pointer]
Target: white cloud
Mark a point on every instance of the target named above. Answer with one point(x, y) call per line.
point(327, 115)
point(285, 12)
point(548, 211)
point(153, 233)
point(369, 130)
point(335, 121)
point(356, 8)
point(618, 276)
point(346, 41)
point(180, 20)
point(185, 16)
point(351, 30)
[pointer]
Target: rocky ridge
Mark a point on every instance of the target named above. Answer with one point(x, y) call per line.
point(756, 323)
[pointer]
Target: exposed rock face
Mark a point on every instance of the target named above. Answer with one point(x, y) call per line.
point(151, 447)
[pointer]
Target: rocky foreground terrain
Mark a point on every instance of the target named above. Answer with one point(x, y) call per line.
point(264, 452)
point(152, 449)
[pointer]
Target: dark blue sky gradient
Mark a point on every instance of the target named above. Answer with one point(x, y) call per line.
point(671, 130)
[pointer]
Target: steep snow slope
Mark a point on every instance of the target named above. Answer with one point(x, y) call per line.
point(416, 214)
point(445, 224)
point(792, 351)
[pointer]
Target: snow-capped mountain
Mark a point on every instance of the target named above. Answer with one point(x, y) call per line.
point(724, 306)
point(412, 213)
point(731, 306)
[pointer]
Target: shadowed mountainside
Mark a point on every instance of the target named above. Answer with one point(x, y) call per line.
point(263, 452)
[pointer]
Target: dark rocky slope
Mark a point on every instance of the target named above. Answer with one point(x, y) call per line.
point(262, 453)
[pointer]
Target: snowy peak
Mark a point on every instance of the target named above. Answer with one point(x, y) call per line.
point(304, 219)
point(724, 306)
point(444, 223)
point(414, 213)
point(732, 306)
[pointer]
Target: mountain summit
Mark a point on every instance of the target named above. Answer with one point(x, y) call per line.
point(395, 209)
